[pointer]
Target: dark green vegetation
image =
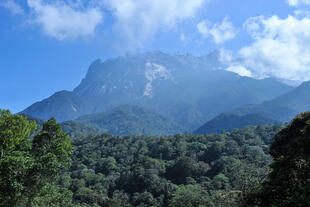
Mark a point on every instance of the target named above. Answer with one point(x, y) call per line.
point(71, 128)
point(30, 172)
point(282, 109)
point(288, 183)
point(123, 120)
point(126, 120)
point(41, 169)
point(186, 89)
point(174, 171)
point(76, 129)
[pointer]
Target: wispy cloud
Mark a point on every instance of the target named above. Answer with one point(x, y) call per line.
point(182, 37)
point(12, 6)
point(63, 20)
point(232, 65)
point(139, 20)
point(220, 32)
point(298, 2)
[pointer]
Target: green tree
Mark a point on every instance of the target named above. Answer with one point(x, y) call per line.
point(15, 159)
point(190, 196)
point(51, 148)
point(30, 175)
point(288, 183)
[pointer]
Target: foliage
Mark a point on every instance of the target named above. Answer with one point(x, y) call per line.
point(288, 183)
point(29, 175)
point(163, 171)
point(71, 128)
point(211, 170)
point(190, 196)
point(76, 129)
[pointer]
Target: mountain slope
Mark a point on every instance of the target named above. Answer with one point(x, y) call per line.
point(282, 109)
point(190, 90)
point(230, 121)
point(126, 119)
point(63, 105)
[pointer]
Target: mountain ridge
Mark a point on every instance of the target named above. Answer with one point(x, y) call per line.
point(280, 109)
point(190, 90)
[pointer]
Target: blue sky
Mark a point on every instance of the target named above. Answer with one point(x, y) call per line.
point(47, 45)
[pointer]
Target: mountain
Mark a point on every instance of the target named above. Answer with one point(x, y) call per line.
point(126, 120)
point(230, 121)
point(190, 90)
point(63, 105)
point(281, 109)
point(285, 107)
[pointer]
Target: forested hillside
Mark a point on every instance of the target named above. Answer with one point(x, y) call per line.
point(175, 171)
point(131, 120)
point(71, 128)
point(38, 168)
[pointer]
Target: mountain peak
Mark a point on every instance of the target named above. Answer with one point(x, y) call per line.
point(93, 69)
point(188, 89)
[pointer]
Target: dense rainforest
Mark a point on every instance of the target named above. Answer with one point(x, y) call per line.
point(43, 167)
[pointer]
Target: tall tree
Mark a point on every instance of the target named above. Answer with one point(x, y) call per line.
point(15, 157)
point(51, 148)
point(288, 183)
point(29, 175)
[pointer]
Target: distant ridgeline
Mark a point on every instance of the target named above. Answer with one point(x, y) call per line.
point(280, 109)
point(123, 120)
point(175, 93)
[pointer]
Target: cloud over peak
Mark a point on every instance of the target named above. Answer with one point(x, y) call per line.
point(139, 20)
point(280, 48)
point(63, 21)
point(134, 21)
point(220, 32)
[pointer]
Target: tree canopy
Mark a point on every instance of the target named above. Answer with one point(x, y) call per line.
point(288, 183)
point(30, 171)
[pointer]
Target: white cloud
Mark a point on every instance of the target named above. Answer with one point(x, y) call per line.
point(298, 2)
point(13, 7)
point(281, 47)
point(226, 58)
point(139, 20)
point(182, 37)
point(62, 20)
point(239, 69)
point(221, 32)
